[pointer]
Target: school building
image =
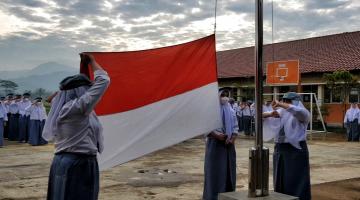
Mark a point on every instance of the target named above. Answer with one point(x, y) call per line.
point(318, 55)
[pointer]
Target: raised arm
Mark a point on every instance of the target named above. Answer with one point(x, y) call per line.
point(87, 102)
point(299, 113)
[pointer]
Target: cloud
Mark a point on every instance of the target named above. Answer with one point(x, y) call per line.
point(56, 30)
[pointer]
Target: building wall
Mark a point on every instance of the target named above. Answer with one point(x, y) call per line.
point(336, 114)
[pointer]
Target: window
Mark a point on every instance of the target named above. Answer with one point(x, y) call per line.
point(234, 93)
point(333, 95)
point(327, 95)
point(248, 94)
point(309, 89)
point(354, 95)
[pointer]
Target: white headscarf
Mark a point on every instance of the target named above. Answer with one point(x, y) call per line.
point(57, 105)
point(228, 117)
point(351, 113)
point(272, 126)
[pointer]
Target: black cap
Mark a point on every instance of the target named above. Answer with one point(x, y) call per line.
point(38, 99)
point(18, 96)
point(75, 81)
point(10, 95)
point(26, 94)
point(2, 98)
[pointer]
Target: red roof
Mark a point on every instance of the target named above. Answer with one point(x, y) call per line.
point(318, 54)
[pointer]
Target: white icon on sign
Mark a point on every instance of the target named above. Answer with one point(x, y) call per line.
point(282, 72)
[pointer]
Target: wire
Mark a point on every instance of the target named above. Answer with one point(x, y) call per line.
point(216, 3)
point(272, 31)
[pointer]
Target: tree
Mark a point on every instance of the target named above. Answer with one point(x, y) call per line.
point(342, 81)
point(8, 86)
point(40, 92)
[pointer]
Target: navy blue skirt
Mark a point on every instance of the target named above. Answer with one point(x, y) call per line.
point(292, 170)
point(14, 127)
point(220, 169)
point(1, 132)
point(35, 132)
point(73, 177)
point(353, 130)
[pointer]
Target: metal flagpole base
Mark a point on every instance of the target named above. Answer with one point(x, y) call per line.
point(258, 172)
point(243, 195)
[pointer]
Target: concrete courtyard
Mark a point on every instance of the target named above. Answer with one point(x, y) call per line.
point(176, 172)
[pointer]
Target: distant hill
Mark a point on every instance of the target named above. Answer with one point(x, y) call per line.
point(47, 76)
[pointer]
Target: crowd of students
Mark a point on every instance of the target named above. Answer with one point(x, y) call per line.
point(22, 119)
point(245, 113)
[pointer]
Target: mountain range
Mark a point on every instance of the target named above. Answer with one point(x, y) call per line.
point(46, 76)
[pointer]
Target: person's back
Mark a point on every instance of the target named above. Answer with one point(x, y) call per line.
point(77, 133)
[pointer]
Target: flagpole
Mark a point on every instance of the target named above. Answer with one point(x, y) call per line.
point(259, 156)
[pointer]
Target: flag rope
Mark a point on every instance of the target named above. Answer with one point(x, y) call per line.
point(216, 3)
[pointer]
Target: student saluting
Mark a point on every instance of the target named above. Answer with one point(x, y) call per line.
point(287, 124)
point(77, 134)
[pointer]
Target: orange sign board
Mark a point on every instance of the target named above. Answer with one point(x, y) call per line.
point(283, 73)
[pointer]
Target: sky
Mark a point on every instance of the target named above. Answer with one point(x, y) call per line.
point(39, 31)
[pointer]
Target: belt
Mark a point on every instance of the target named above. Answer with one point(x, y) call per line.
point(76, 154)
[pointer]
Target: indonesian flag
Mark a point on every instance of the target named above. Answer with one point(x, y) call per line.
point(157, 98)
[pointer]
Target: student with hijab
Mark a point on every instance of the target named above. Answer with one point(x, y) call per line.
point(14, 118)
point(23, 105)
point(77, 134)
point(287, 124)
point(220, 155)
point(36, 123)
point(3, 119)
point(351, 121)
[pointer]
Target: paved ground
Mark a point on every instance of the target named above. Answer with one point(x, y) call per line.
point(176, 172)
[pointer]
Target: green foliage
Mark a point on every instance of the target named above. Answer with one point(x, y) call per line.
point(8, 86)
point(40, 92)
point(342, 81)
point(47, 107)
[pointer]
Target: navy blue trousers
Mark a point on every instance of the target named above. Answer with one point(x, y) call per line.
point(14, 127)
point(6, 128)
point(220, 169)
point(22, 128)
point(247, 125)
point(73, 177)
point(292, 170)
point(240, 123)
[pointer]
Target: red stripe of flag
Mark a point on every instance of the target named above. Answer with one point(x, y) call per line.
point(139, 78)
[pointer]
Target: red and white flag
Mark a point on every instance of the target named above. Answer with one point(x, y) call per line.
point(157, 98)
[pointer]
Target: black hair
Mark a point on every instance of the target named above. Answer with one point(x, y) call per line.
point(225, 93)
